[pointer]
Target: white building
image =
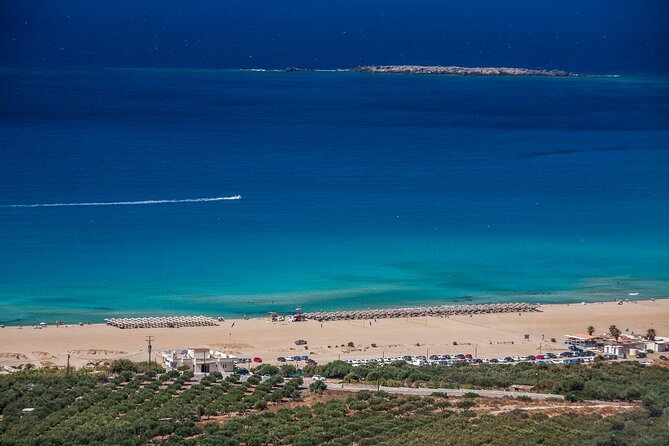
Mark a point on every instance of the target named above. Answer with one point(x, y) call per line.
point(657, 345)
point(200, 361)
point(616, 349)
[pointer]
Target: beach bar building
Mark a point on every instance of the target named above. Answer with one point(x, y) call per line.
point(582, 340)
point(201, 361)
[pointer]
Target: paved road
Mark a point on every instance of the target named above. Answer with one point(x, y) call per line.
point(450, 392)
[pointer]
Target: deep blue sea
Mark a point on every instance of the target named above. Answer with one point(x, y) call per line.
point(358, 190)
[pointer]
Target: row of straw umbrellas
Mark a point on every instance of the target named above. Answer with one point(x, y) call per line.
point(437, 311)
point(162, 322)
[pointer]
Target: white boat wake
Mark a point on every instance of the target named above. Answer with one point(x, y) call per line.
point(123, 203)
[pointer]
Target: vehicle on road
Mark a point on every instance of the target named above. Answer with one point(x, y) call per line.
point(300, 342)
point(257, 359)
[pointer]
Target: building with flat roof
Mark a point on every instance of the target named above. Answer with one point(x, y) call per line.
point(658, 345)
point(621, 350)
point(582, 340)
point(201, 361)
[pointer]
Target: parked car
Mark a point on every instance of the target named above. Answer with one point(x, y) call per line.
point(494, 361)
point(281, 359)
point(300, 342)
point(311, 362)
point(257, 359)
point(304, 358)
point(662, 357)
point(242, 372)
point(318, 378)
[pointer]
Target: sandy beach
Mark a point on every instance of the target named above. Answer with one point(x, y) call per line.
point(487, 335)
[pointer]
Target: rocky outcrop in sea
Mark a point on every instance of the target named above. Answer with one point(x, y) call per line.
point(461, 71)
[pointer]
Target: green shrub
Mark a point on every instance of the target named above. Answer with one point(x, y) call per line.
point(123, 365)
point(317, 387)
point(465, 404)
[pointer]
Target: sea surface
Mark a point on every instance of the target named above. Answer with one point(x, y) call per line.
point(357, 191)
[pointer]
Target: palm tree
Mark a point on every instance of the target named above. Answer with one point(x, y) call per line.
point(590, 330)
point(650, 334)
point(615, 332)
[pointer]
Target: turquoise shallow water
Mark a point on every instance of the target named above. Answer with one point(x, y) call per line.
point(357, 191)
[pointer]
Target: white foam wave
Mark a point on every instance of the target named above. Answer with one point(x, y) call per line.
point(123, 203)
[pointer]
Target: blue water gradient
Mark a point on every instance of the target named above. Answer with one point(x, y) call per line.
point(358, 191)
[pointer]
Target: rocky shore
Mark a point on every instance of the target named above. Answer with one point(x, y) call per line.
point(461, 71)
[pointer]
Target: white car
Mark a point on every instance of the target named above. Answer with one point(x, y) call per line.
point(317, 378)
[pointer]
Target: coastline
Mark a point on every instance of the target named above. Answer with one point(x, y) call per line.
point(489, 335)
point(254, 307)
